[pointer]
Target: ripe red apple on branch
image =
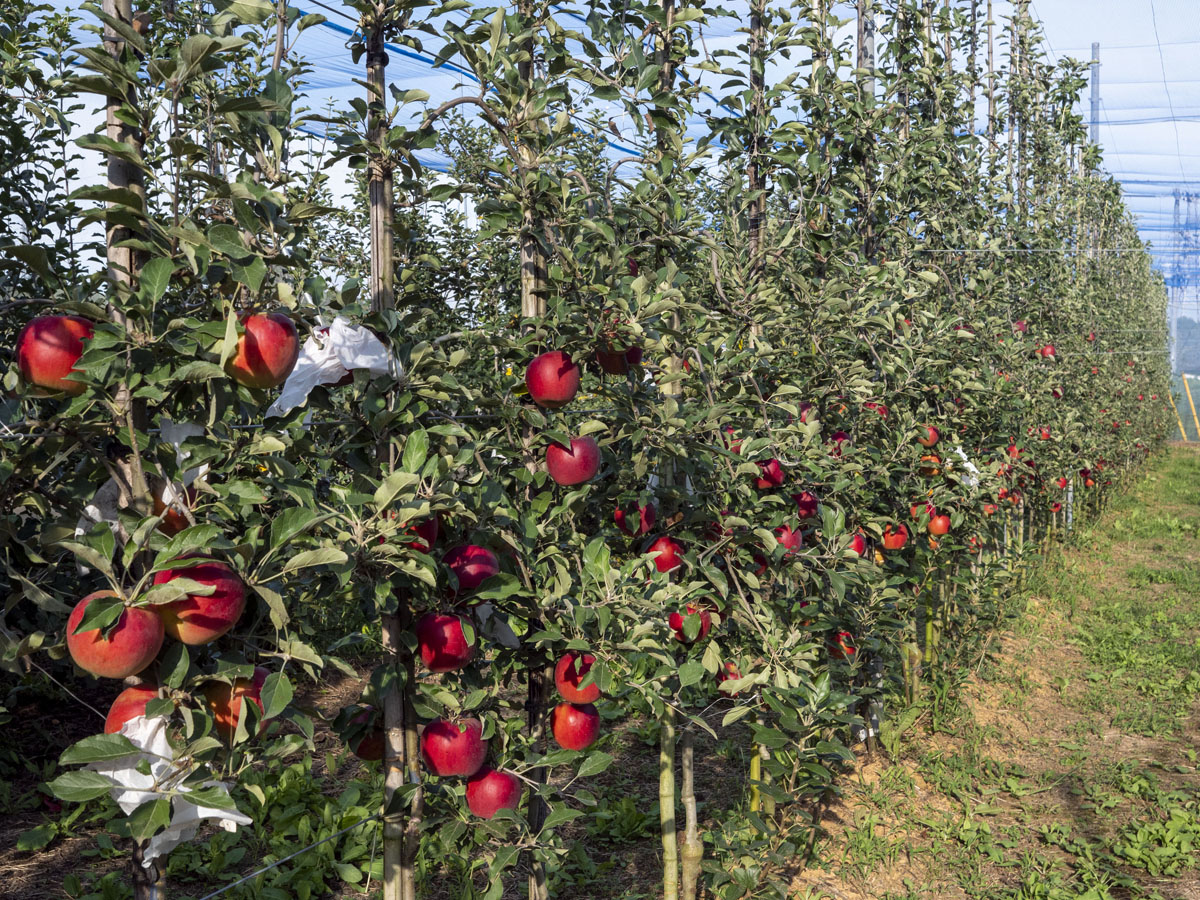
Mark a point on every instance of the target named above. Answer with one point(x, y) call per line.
point(575, 725)
point(369, 745)
point(929, 436)
point(552, 379)
point(858, 544)
point(939, 525)
point(199, 619)
point(770, 475)
point(646, 514)
point(676, 622)
point(569, 674)
point(48, 348)
point(453, 747)
point(471, 565)
point(489, 791)
point(129, 704)
point(120, 650)
point(573, 465)
point(266, 353)
point(841, 645)
point(443, 643)
point(668, 552)
point(225, 701)
point(806, 505)
point(728, 672)
point(894, 538)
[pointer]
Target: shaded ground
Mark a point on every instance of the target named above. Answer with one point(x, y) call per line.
point(1070, 770)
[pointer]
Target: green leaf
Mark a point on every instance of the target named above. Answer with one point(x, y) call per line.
point(89, 556)
point(276, 694)
point(324, 556)
point(393, 485)
point(77, 787)
point(595, 764)
point(559, 815)
point(97, 748)
point(174, 665)
point(154, 278)
point(416, 448)
point(100, 613)
point(690, 673)
point(149, 819)
point(289, 524)
point(213, 797)
point(227, 240)
point(230, 341)
point(36, 838)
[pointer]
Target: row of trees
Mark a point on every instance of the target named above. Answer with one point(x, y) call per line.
point(826, 305)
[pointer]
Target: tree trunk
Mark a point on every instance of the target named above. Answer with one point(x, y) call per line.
point(693, 847)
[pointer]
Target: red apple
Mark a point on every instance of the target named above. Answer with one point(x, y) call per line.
point(489, 791)
point(1091, 337)
point(646, 516)
point(930, 436)
point(838, 442)
point(858, 544)
point(1062, 483)
point(130, 646)
point(368, 746)
point(266, 351)
point(569, 673)
point(939, 525)
point(1020, 326)
point(575, 465)
point(841, 645)
point(806, 504)
point(48, 348)
point(552, 379)
point(1044, 434)
point(791, 540)
point(471, 565)
point(894, 539)
point(1047, 352)
point(199, 619)
point(728, 672)
point(617, 360)
point(1055, 507)
point(805, 407)
point(427, 533)
point(731, 444)
point(669, 551)
point(453, 748)
point(676, 619)
point(878, 407)
point(770, 475)
point(575, 725)
point(169, 500)
point(225, 701)
point(130, 704)
point(443, 643)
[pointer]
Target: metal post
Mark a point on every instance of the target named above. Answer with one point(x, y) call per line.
point(1096, 93)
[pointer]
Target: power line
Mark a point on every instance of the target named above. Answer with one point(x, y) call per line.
point(1170, 103)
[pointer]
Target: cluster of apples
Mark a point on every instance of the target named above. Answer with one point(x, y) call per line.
point(133, 640)
point(49, 347)
point(552, 380)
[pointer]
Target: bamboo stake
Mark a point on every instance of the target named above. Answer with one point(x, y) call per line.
point(1178, 418)
point(666, 804)
point(1188, 390)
